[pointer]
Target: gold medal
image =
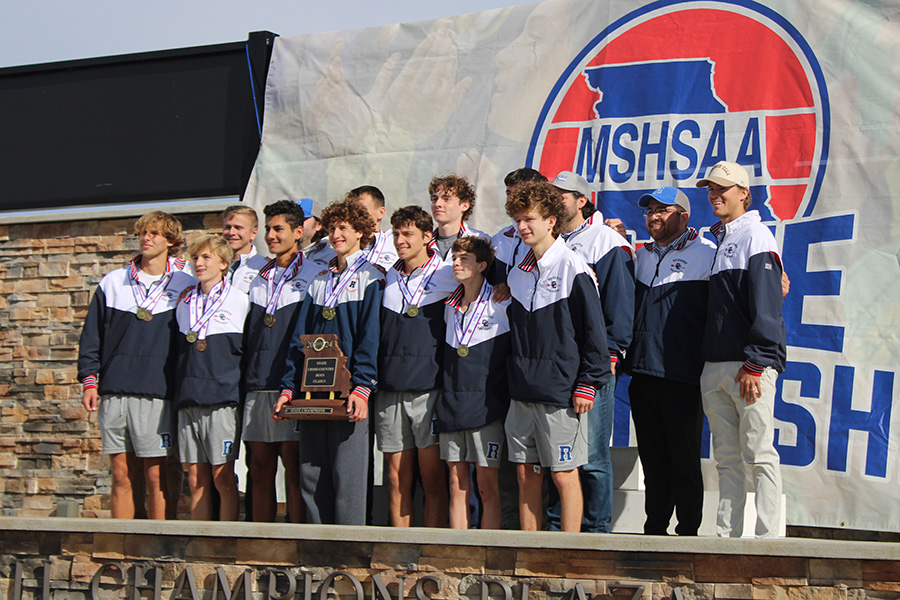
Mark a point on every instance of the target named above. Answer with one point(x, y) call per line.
point(201, 345)
point(191, 337)
point(143, 314)
point(462, 350)
point(269, 320)
point(412, 310)
point(328, 312)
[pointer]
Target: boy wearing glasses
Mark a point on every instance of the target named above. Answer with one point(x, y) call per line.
point(664, 361)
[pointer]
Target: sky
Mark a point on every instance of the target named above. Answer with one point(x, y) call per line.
point(40, 31)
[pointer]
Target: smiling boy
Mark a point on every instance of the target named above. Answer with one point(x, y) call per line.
point(559, 356)
point(126, 363)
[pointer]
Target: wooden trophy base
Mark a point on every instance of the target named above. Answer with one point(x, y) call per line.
point(321, 408)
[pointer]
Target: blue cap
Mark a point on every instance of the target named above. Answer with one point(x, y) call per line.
point(669, 196)
point(310, 208)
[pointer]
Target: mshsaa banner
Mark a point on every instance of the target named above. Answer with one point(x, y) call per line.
point(804, 93)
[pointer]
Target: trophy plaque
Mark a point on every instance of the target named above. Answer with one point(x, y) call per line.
point(324, 381)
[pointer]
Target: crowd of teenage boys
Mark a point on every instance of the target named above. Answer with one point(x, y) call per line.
point(484, 366)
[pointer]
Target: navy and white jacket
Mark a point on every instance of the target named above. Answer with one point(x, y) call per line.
point(410, 352)
point(355, 323)
point(610, 256)
point(122, 355)
point(212, 377)
point(464, 231)
point(382, 252)
point(475, 387)
point(243, 270)
point(558, 339)
point(319, 253)
point(670, 308)
point(744, 321)
point(507, 245)
point(267, 347)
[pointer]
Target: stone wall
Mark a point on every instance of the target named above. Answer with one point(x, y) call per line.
point(49, 446)
point(289, 562)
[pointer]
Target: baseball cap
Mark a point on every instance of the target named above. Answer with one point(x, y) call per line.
point(726, 174)
point(568, 181)
point(310, 208)
point(669, 196)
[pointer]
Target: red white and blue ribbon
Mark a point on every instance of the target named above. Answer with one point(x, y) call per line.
point(464, 332)
point(202, 308)
point(273, 288)
point(150, 298)
point(333, 289)
point(413, 297)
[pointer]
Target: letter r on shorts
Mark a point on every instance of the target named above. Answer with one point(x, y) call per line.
point(493, 451)
point(165, 440)
point(565, 454)
point(226, 447)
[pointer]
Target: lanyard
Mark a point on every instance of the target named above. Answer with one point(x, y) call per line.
point(464, 333)
point(201, 315)
point(146, 301)
point(413, 297)
point(273, 289)
point(332, 290)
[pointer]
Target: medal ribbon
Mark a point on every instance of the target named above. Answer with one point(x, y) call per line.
point(273, 290)
point(377, 248)
point(201, 315)
point(464, 335)
point(332, 291)
point(150, 298)
point(412, 298)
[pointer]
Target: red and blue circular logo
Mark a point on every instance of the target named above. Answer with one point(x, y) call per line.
point(672, 88)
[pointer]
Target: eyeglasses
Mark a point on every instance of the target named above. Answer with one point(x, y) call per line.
point(659, 210)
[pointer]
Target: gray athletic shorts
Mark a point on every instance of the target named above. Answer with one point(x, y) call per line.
point(552, 436)
point(481, 446)
point(405, 420)
point(208, 434)
point(258, 425)
point(145, 426)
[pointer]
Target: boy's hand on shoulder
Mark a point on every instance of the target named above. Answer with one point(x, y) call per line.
point(185, 292)
point(89, 399)
point(357, 407)
point(501, 292)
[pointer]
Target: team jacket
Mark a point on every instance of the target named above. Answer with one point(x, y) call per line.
point(609, 255)
point(356, 325)
point(409, 358)
point(475, 386)
point(464, 231)
point(122, 355)
point(382, 252)
point(744, 322)
point(507, 245)
point(243, 270)
point(670, 309)
point(212, 377)
point(267, 347)
point(319, 253)
point(556, 328)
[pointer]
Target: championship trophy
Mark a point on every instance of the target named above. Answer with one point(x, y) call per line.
point(324, 381)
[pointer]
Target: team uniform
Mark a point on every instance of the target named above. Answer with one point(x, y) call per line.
point(334, 455)
point(382, 252)
point(507, 244)
point(610, 257)
point(475, 395)
point(410, 354)
point(127, 351)
point(665, 363)
point(210, 348)
point(744, 327)
point(319, 253)
point(442, 245)
point(243, 269)
point(276, 296)
point(558, 348)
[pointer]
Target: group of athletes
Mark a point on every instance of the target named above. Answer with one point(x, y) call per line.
point(481, 362)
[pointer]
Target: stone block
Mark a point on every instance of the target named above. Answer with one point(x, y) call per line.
point(734, 591)
point(212, 549)
point(263, 551)
point(32, 286)
point(500, 560)
point(53, 269)
point(719, 569)
point(109, 545)
point(76, 544)
point(395, 556)
point(53, 300)
point(880, 570)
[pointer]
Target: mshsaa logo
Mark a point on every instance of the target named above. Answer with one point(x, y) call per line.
point(669, 90)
